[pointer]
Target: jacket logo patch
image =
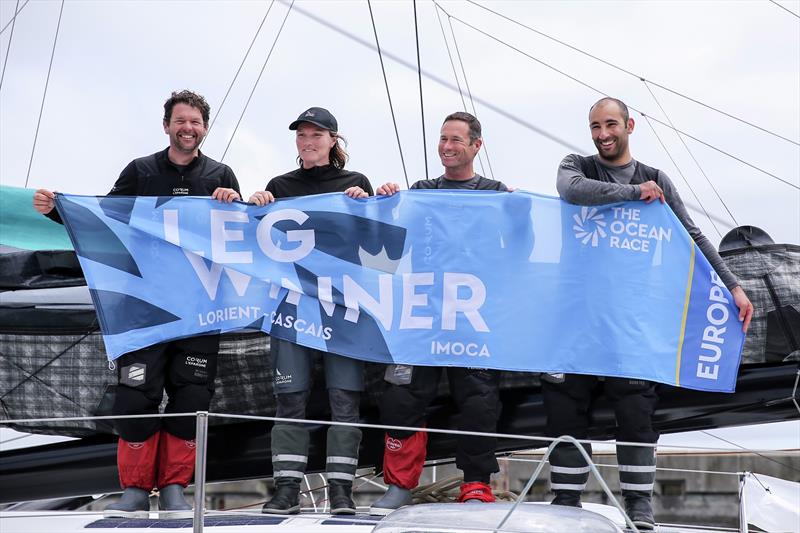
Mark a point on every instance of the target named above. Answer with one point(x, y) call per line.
point(133, 375)
point(282, 379)
point(393, 445)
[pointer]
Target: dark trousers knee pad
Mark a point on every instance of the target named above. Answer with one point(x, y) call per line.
point(345, 405)
point(291, 404)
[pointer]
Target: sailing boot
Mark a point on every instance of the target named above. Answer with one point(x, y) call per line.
point(172, 503)
point(637, 475)
point(394, 498)
point(341, 465)
point(567, 498)
point(476, 491)
point(568, 474)
point(286, 499)
point(134, 503)
point(341, 497)
point(639, 509)
point(289, 458)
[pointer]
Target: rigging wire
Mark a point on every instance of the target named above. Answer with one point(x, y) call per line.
point(12, 439)
point(680, 172)
point(388, 94)
point(421, 102)
point(469, 94)
point(516, 457)
point(458, 83)
point(455, 72)
point(44, 95)
point(8, 50)
point(239, 70)
point(441, 81)
point(261, 72)
point(754, 452)
point(452, 64)
point(16, 12)
point(536, 441)
point(696, 162)
point(641, 78)
point(742, 161)
point(595, 89)
point(785, 8)
point(753, 475)
point(692, 207)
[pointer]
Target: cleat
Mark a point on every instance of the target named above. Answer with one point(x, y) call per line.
point(172, 504)
point(476, 491)
point(134, 503)
point(394, 498)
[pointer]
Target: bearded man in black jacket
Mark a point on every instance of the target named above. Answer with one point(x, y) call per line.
point(155, 453)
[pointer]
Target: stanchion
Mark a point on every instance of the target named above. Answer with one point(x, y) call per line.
point(201, 441)
point(742, 503)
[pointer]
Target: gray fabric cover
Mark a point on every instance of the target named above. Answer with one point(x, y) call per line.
point(48, 376)
point(770, 275)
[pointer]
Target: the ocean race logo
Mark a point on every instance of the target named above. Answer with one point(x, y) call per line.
point(625, 231)
point(589, 226)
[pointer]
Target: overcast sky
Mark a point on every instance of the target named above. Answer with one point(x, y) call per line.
point(116, 62)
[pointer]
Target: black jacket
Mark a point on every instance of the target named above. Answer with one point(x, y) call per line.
point(317, 180)
point(156, 175)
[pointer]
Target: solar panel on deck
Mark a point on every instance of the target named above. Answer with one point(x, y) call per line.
point(209, 521)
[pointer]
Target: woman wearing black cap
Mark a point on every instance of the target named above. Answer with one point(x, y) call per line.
point(322, 158)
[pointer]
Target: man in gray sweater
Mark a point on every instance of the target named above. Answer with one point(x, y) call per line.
point(614, 176)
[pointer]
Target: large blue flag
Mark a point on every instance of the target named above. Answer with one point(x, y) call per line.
point(453, 278)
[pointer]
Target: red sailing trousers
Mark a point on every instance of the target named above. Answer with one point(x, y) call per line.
point(161, 460)
point(403, 459)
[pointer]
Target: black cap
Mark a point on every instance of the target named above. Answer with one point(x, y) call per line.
point(317, 116)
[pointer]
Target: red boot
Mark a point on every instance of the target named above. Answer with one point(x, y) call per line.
point(476, 491)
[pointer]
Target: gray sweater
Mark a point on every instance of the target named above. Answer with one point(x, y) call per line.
point(622, 184)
